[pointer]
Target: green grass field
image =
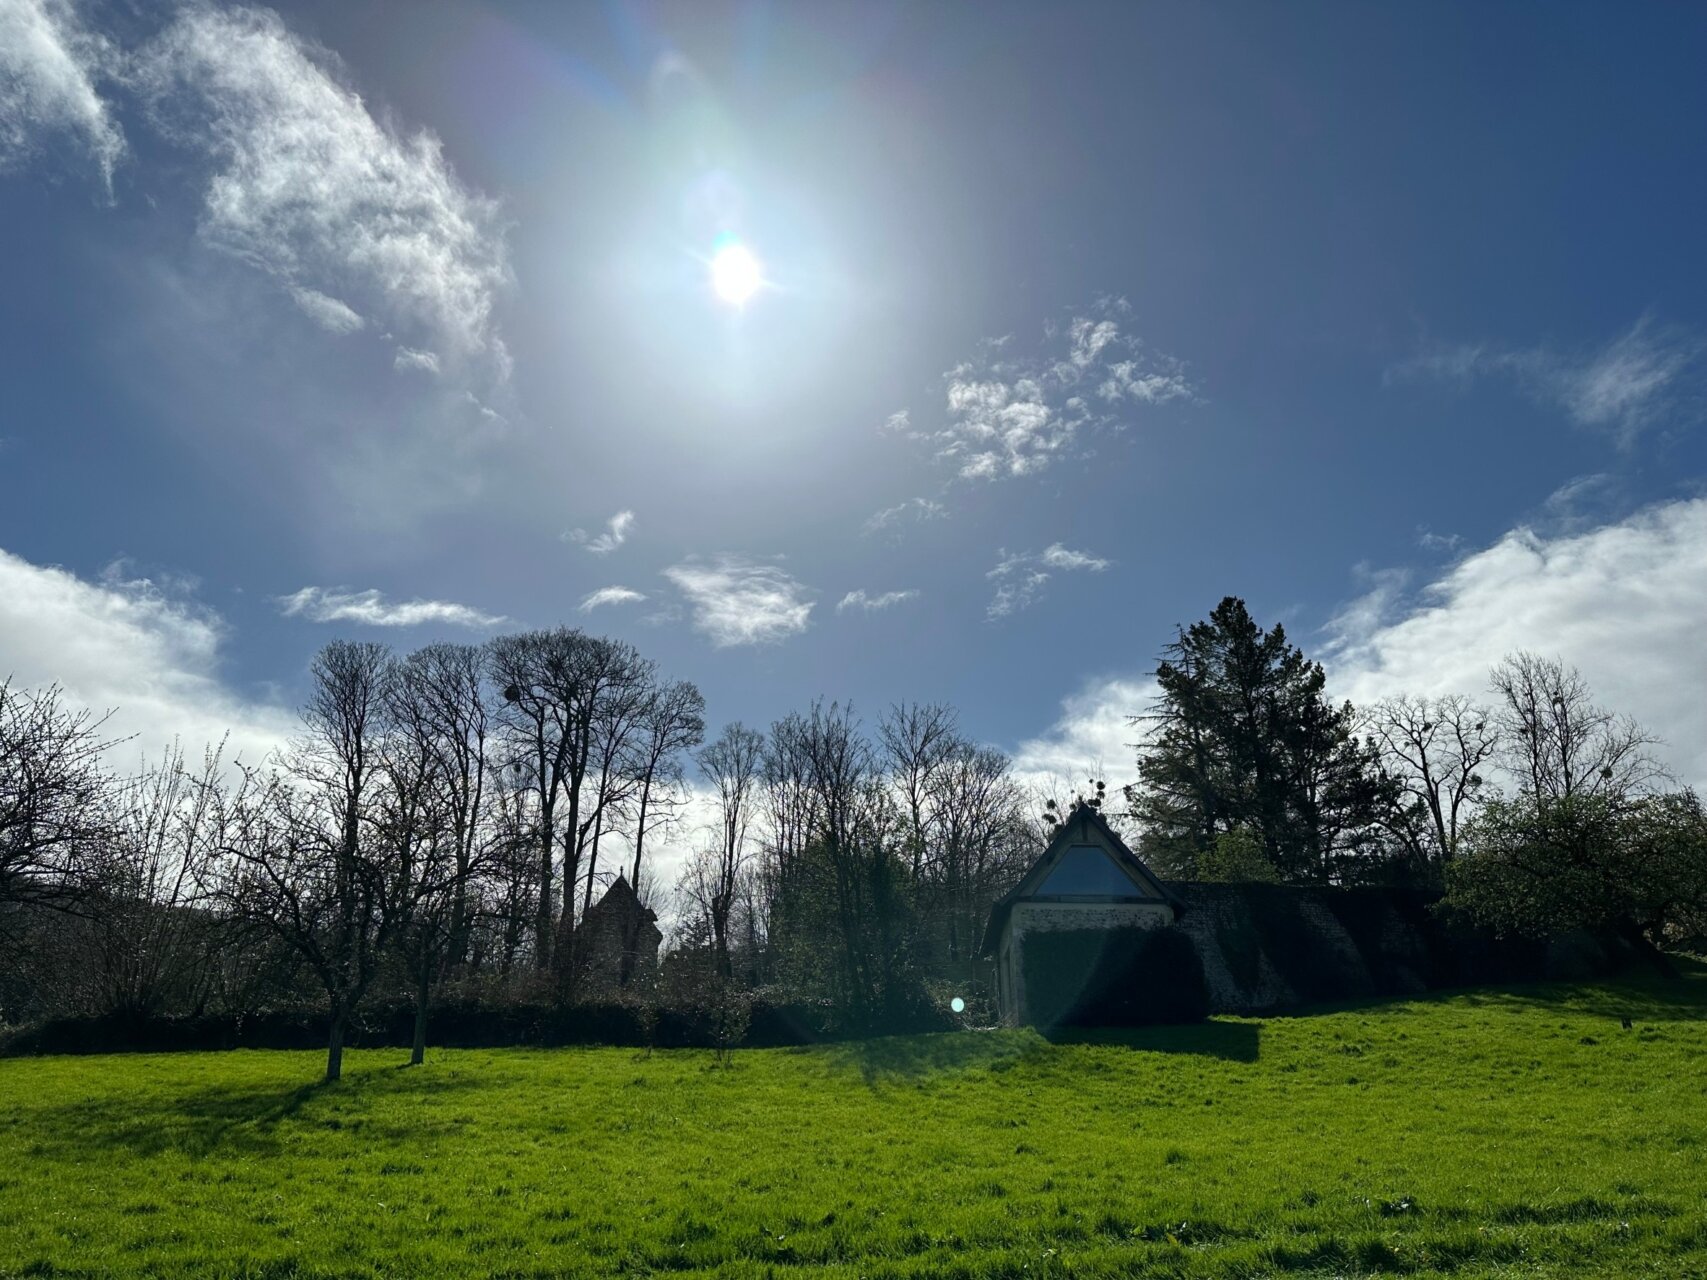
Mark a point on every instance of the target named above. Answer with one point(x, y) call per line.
point(1519, 1132)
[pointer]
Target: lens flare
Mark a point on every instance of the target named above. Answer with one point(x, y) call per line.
point(957, 1004)
point(735, 273)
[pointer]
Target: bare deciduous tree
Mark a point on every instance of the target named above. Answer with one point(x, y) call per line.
point(733, 765)
point(674, 722)
point(145, 880)
point(307, 860)
point(1437, 749)
point(917, 738)
point(435, 768)
point(1557, 744)
point(53, 788)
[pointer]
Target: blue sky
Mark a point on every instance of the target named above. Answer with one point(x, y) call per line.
point(394, 321)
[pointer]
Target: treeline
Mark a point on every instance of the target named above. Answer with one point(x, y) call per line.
point(1536, 811)
point(445, 823)
point(441, 831)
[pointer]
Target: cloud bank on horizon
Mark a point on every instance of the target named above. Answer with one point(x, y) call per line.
point(1625, 602)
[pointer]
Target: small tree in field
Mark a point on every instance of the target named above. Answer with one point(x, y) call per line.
point(52, 793)
point(306, 858)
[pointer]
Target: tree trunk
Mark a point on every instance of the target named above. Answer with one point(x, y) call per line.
point(1638, 940)
point(459, 913)
point(542, 919)
point(423, 992)
point(335, 1046)
point(593, 859)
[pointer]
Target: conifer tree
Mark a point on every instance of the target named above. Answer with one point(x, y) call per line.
point(1243, 736)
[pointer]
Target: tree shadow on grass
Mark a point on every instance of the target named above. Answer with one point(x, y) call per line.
point(1231, 1041)
point(914, 1057)
point(225, 1119)
point(1639, 995)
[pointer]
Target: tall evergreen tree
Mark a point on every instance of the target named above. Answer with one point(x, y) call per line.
point(1242, 736)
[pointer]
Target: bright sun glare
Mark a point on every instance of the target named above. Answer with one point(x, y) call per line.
point(735, 274)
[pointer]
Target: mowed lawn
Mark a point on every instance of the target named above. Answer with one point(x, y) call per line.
point(1522, 1132)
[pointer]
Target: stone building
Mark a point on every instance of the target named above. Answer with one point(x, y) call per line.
point(619, 939)
point(1265, 947)
point(1085, 879)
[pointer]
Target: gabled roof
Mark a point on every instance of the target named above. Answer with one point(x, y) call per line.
point(621, 897)
point(1080, 823)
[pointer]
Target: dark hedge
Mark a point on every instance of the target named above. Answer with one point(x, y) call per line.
point(1125, 977)
point(460, 1025)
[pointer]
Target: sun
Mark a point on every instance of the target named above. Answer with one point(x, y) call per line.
point(735, 274)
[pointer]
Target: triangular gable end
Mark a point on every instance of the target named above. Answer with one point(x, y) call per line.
point(1086, 859)
point(1082, 827)
point(1089, 871)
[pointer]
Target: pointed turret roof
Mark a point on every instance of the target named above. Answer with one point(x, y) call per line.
point(621, 897)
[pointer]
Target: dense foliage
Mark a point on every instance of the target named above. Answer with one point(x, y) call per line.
point(1540, 867)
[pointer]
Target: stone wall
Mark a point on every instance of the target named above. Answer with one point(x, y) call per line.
point(1267, 947)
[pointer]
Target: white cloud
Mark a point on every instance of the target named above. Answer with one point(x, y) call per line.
point(327, 312)
point(610, 595)
point(370, 608)
point(1625, 602)
point(1092, 737)
point(617, 529)
point(48, 68)
point(737, 601)
point(408, 359)
point(1429, 540)
point(917, 510)
point(146, 652)
point(1632, 382)
point(312, 189)
point(1014, 416)
point(874, 603)
point(1020, 578)
point(1057, 556)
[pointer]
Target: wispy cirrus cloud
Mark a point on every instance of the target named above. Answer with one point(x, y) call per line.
point(609, 595)
point(49, 65)
point(327, 312)
point(371, 608)
point(912, 511)
point(1445, 543)
point(617, 529)
point(352, 218)
point(1011, 414)
point(737, 601)
point(408, 359)
point(875, 602)
point(1635, 381)
point(1020, 579)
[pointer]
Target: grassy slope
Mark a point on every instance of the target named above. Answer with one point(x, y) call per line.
point(1520, 1132)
